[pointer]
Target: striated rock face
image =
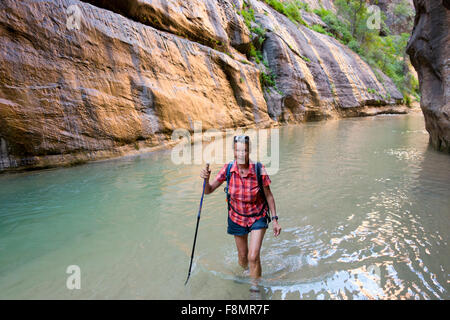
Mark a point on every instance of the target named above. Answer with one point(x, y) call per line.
point(429, 48)
point(316, 4)
point(110, 83)
point(317, 75)
point(216, 24)
point(397, 24)
point(83, 81)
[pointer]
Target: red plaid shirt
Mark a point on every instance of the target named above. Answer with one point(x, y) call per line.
point(244, 192)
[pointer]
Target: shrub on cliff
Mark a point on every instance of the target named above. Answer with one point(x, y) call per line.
point(378, 47)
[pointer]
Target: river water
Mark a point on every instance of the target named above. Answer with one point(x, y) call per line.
point(364, 204)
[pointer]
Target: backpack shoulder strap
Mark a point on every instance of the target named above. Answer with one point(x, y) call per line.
point(229, 171)
point(261, 187)
point(258, 174)
point(230, 164)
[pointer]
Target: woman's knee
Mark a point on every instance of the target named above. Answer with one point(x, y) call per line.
point(253, 257)
point(243, 256)
point(241, 246)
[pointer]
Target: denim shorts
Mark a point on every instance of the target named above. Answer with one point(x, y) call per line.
point(237, 230)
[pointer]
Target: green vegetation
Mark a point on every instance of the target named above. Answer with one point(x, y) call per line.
point(290, 9)
point(333, 88)
point(374, 91)
point(256, 54)
point(249, 17)
point(407, 100)
point(319, 28)
point(267, 80)
point(378, 47)
point(404, 14)
point(248, 14)
point(385, 52)
point(306, 59)
point(338, 28)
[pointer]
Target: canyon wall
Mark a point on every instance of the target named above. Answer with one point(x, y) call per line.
point(88, 80)
point(429, 48)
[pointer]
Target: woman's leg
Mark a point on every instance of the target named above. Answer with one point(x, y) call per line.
point(242, 248)
point(254, 260)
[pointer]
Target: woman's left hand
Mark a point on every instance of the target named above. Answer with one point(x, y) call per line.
point(276, 228)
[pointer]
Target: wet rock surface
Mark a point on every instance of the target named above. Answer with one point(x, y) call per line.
point(428, 49)
point(88, 80)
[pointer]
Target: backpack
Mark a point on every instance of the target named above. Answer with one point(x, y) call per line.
point(261, 190)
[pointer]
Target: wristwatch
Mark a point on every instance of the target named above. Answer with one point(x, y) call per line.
point(275, 217)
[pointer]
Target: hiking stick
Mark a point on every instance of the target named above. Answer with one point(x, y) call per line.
point(196, 228)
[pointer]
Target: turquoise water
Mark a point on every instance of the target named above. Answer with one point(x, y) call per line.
point(363, 203)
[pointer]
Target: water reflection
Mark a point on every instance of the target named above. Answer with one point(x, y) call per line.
point(364, 206)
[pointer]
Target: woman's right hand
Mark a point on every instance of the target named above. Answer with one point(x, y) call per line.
point(205, 173)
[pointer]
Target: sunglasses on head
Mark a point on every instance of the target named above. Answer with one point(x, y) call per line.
point(241, 138)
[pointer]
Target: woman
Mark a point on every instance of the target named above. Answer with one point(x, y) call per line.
point(248, 212)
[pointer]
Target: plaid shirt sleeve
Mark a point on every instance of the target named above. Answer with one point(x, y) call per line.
point(222, 175)
point(265, 177)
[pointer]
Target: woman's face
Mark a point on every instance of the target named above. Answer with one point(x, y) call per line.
point(241, 153)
